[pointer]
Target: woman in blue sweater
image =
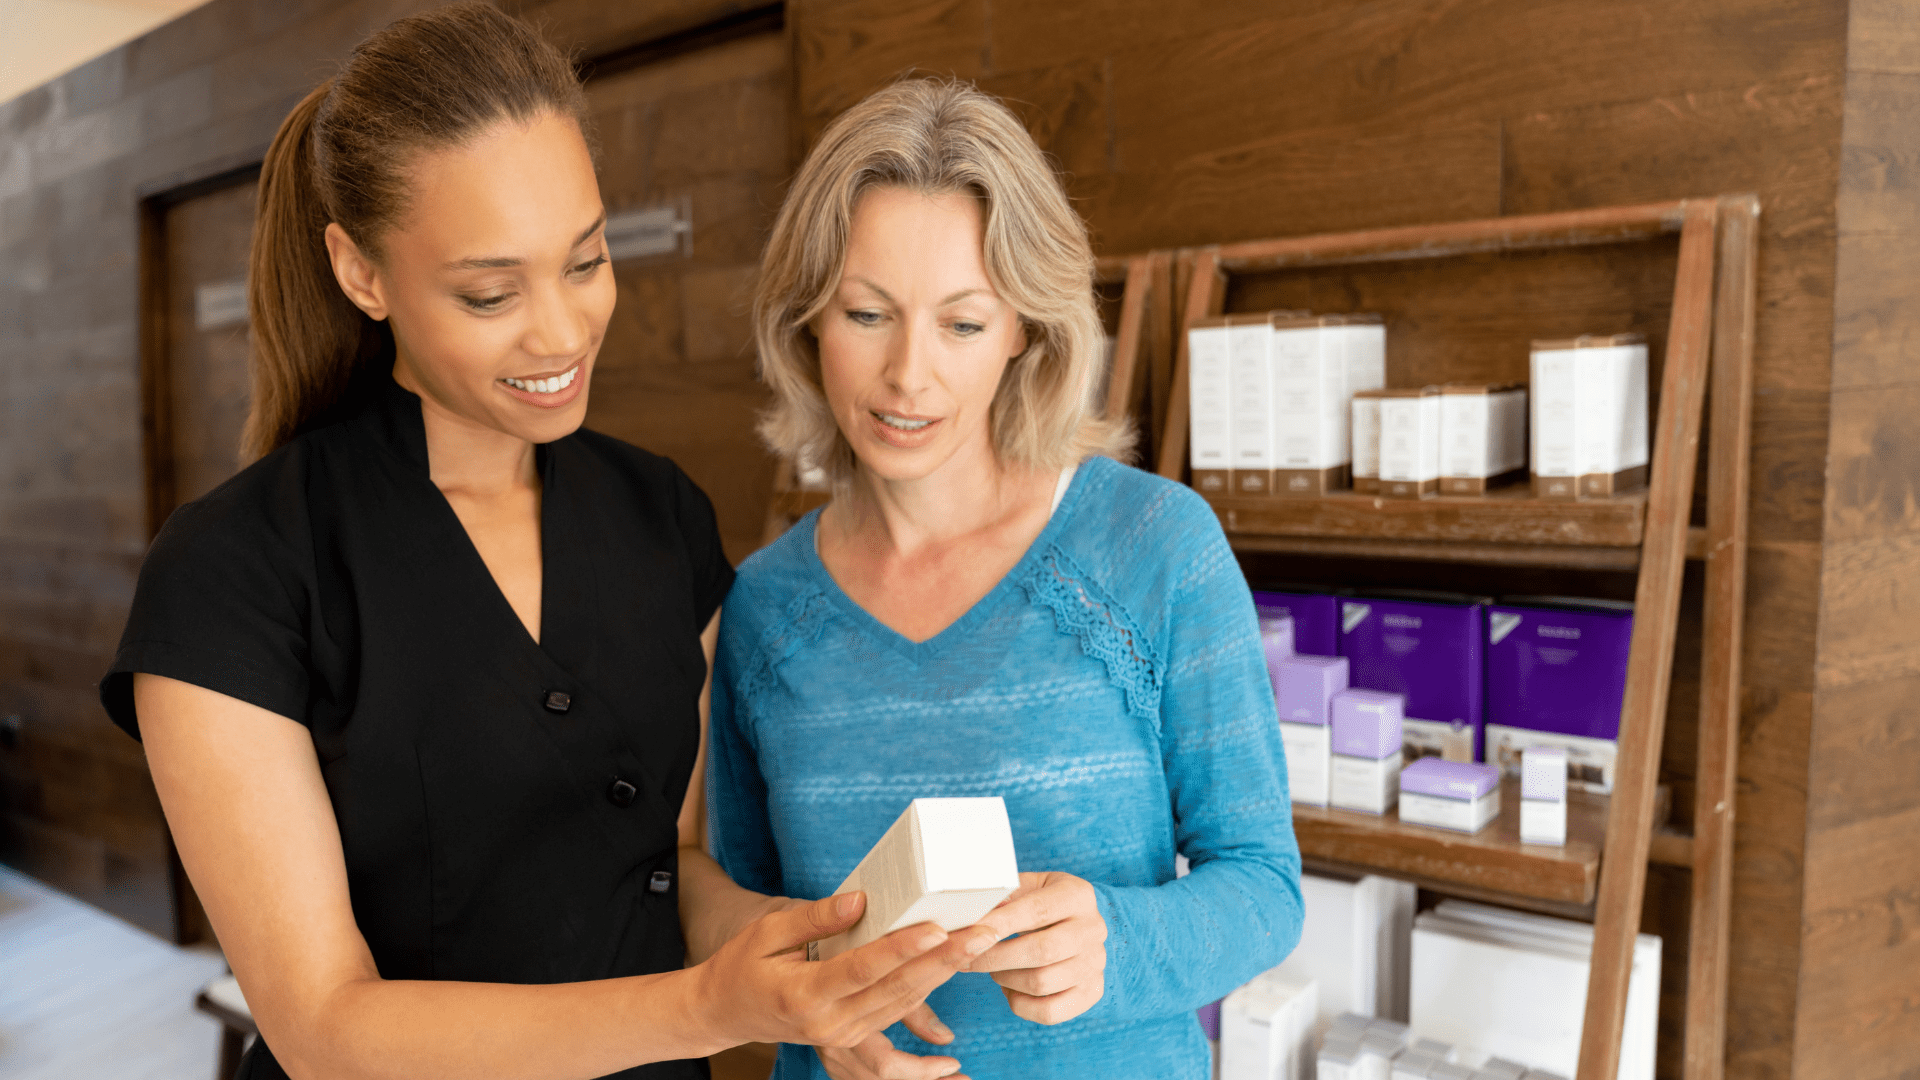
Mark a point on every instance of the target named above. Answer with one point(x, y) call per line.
point(989, 606)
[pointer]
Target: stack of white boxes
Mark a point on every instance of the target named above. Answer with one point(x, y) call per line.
point(1589, 416)
point(1410, 443)
point(1353, 946)
point(1514, 984)
point(1268, 399)
point(1266, 1029)
point(1483, 436)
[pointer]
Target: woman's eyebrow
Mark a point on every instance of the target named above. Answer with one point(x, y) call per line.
point(954, 299)
point(494, 262)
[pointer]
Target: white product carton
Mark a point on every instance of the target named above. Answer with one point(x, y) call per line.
point(1250, 369)
point(944, 861)
point(1543, 795)
point(1589, 419)
point(1317, 361)
point(1338, 1059)
point(1366, 442)
point(1209, 408)
point(1483, 436)
point(1266, 1029)
point(1410, 443)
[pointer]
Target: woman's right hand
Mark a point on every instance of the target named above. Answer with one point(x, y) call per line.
point(760, 987)
point(876, 1059)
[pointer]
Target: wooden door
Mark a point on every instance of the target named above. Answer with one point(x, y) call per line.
point(704, 133)
point(202, 375)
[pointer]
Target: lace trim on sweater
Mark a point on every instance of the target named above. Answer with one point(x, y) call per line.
point(1105, 630)
point(796, 628)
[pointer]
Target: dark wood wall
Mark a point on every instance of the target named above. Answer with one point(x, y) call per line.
point(1859, 1005)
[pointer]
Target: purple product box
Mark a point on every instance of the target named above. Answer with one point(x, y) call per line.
point(1210, 1021)
point(1366, 723)
point(1316, 618)
point(1449, 779)
point(1303, 685)
point(1431, 648)
point(1276, 639)
point(1556, 676)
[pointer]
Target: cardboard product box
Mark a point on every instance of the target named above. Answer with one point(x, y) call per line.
point(1210, 405)
point(1266, 1029)
point(1557, 676)
point(1483, 436)
point(1312, 384)
point(1315, 615)
point(1366, 750)
point(1429, 646)
point(945, 861)
point(1410, 443)
point(1589, 422)
point(1456, 795)
point(1250, 368)
point(1543, 795)
point(1276, 639)
point(1365, 426)
point(1303, 692)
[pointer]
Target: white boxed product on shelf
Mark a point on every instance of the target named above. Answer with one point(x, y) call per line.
point(1483, 435)
point(1319, 361)
point(945, 861)
point(1410, 443)
point(1354, 947)
point(1250, 371)
point(1513, 984)
point(1543, 795)
point(1210, 405)
point(1589, 419)
point(1266, 1029)
point(1365, 427)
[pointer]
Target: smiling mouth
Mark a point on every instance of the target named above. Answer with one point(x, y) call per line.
point(900, 423)
point(552, 385)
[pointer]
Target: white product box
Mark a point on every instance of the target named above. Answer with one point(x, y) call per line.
point(1483, 436)
point(1369, 785)
point(1338, 1059)
point(1377, 1051)
point(1410, 443)
point(1365, 344)
point(1266, 1029)
point(944, 861)
point(1543, 795)
point(1413, 1065)
point(1502, 1069)
point(1312, 385)
point(1309, 762)
point(1366, 442)
point(1209, 408)
point(1589, 419)
point(1459, 815)
point(1250, 369)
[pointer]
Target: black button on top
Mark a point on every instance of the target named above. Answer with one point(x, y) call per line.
point(620, 793)
point(558, 701)
point(660, 882)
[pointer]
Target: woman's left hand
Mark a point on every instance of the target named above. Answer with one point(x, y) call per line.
point(1056, 969)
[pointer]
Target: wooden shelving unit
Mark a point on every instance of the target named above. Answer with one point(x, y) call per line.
point(1601, 873)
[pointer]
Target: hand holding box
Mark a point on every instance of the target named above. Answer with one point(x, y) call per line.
point(944, 861)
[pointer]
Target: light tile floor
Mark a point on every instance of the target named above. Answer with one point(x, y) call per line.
point(85, 996)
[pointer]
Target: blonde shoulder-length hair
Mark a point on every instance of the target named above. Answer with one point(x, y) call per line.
point(939, 137)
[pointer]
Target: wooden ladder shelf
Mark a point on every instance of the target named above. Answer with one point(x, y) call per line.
point(1603, 868)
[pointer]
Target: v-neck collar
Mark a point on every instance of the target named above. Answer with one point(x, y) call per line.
point(399, 427)
point(920, 651)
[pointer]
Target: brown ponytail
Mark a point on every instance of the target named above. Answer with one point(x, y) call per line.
point(428, 81)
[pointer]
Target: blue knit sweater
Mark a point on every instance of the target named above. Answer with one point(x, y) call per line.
point(1111, 688)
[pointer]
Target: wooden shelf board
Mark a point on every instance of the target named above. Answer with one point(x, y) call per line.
point(1491, 864)
point(1507, 515)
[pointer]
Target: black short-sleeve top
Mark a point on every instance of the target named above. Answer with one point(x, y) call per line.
point(507, 808)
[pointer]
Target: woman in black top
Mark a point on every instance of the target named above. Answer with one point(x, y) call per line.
point(423, 689)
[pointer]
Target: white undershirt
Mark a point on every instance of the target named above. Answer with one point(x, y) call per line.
point(1060, 489)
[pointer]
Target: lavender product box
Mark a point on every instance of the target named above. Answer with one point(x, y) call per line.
point(1316, 617)
point(1366, 758)
point(1303, 689)
point(1455, 795)
point(1431, 648)
point(1556, 676)
point(1276, 639)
